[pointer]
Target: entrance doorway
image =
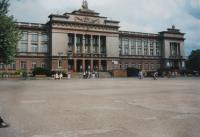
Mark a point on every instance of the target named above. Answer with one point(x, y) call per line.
point(104, 65)
point(87, 65)
point(96, 65)
point(79, 65)
point(70, 65)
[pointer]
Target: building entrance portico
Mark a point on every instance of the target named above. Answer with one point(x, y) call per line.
point(80, 65)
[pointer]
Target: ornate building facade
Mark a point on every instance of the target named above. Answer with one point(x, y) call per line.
point(84, 40)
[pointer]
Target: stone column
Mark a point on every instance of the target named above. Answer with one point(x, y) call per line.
point(99, 44)
point(91, 45)
point(91, 64)
point(83, 48)
point(75, 65)
point(75, 41)
point(99, 65)
point(83, 64)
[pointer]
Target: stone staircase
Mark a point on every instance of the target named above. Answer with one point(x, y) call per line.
point(104, 75)
point(79, 75)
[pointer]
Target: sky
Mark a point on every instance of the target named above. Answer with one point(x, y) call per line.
point(151, 16)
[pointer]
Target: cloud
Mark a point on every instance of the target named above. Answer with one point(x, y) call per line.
point(141, 16)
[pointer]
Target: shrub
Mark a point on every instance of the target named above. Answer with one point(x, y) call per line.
point(131, 72)
point(41, 71)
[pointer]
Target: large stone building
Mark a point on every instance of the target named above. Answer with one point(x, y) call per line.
point(84, 40)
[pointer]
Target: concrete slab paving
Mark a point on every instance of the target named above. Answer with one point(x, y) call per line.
point(101, 108)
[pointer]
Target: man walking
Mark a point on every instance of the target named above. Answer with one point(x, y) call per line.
point(155, 75)
point(3, 124)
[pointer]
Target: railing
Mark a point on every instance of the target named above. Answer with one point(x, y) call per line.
point(25, 24)
point(32, 54)
point(176, 57)
point(88, 55)
point(139, 33)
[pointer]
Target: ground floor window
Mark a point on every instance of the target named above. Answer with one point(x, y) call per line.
point(23, 64)
point(12, 66)
point(1, 66)
point(34, 64)
point(43, 65)
point(59, 63)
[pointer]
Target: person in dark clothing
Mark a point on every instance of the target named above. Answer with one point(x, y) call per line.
point(3, 124)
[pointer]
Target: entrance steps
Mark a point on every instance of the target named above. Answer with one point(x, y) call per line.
point(104, 75)
point(79, 75)
point(76, 75)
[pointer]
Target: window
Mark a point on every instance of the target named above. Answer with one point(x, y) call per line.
point(71, 39)
point(59, 63)
point(125, 45)
point(151, 48)
point(87, 40)
point(44, 48)
point(79, 49)
point(23, 65)
point(133, 65)
point(79, 40)
point(12, 66)
point(126, 66)
point(145, 48)
point(146, 66)
point(34, 37)
point(139, 47)
point(157, 66)
point(95, 40)
point(44, 38)
point(43, 65)
point(157, 48)
point(139, 66)
point(24, 36)
point(34, 48)
point(133, 47)
point(152, 67)
point(23, 47)
point(1, 66)
point(174, 49)
point(34, 64)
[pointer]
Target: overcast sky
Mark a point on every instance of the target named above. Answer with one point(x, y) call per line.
point(150, 16)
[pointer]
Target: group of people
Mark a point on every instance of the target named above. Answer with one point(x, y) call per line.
point(58, 76)
point(88, 75)
point(141, 75)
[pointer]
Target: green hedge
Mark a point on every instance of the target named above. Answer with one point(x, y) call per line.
point(41, 71)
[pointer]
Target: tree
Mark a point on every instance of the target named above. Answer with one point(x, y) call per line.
point(9, 35)
point(4, 7)
point(193, 62)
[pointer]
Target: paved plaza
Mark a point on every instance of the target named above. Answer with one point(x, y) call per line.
point(101, 108)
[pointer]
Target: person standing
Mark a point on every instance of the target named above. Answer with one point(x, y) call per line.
point(60, 75)
point(57, 77)
point(155, 75)
point(140, 74)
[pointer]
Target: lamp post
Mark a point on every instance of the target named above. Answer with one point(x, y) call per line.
point(60, 54)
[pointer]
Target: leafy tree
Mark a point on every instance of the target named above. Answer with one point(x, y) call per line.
point(4, 7)
point(9, 34)
point(193, 62)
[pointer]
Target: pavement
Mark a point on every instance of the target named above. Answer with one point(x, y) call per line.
point(101, 108)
